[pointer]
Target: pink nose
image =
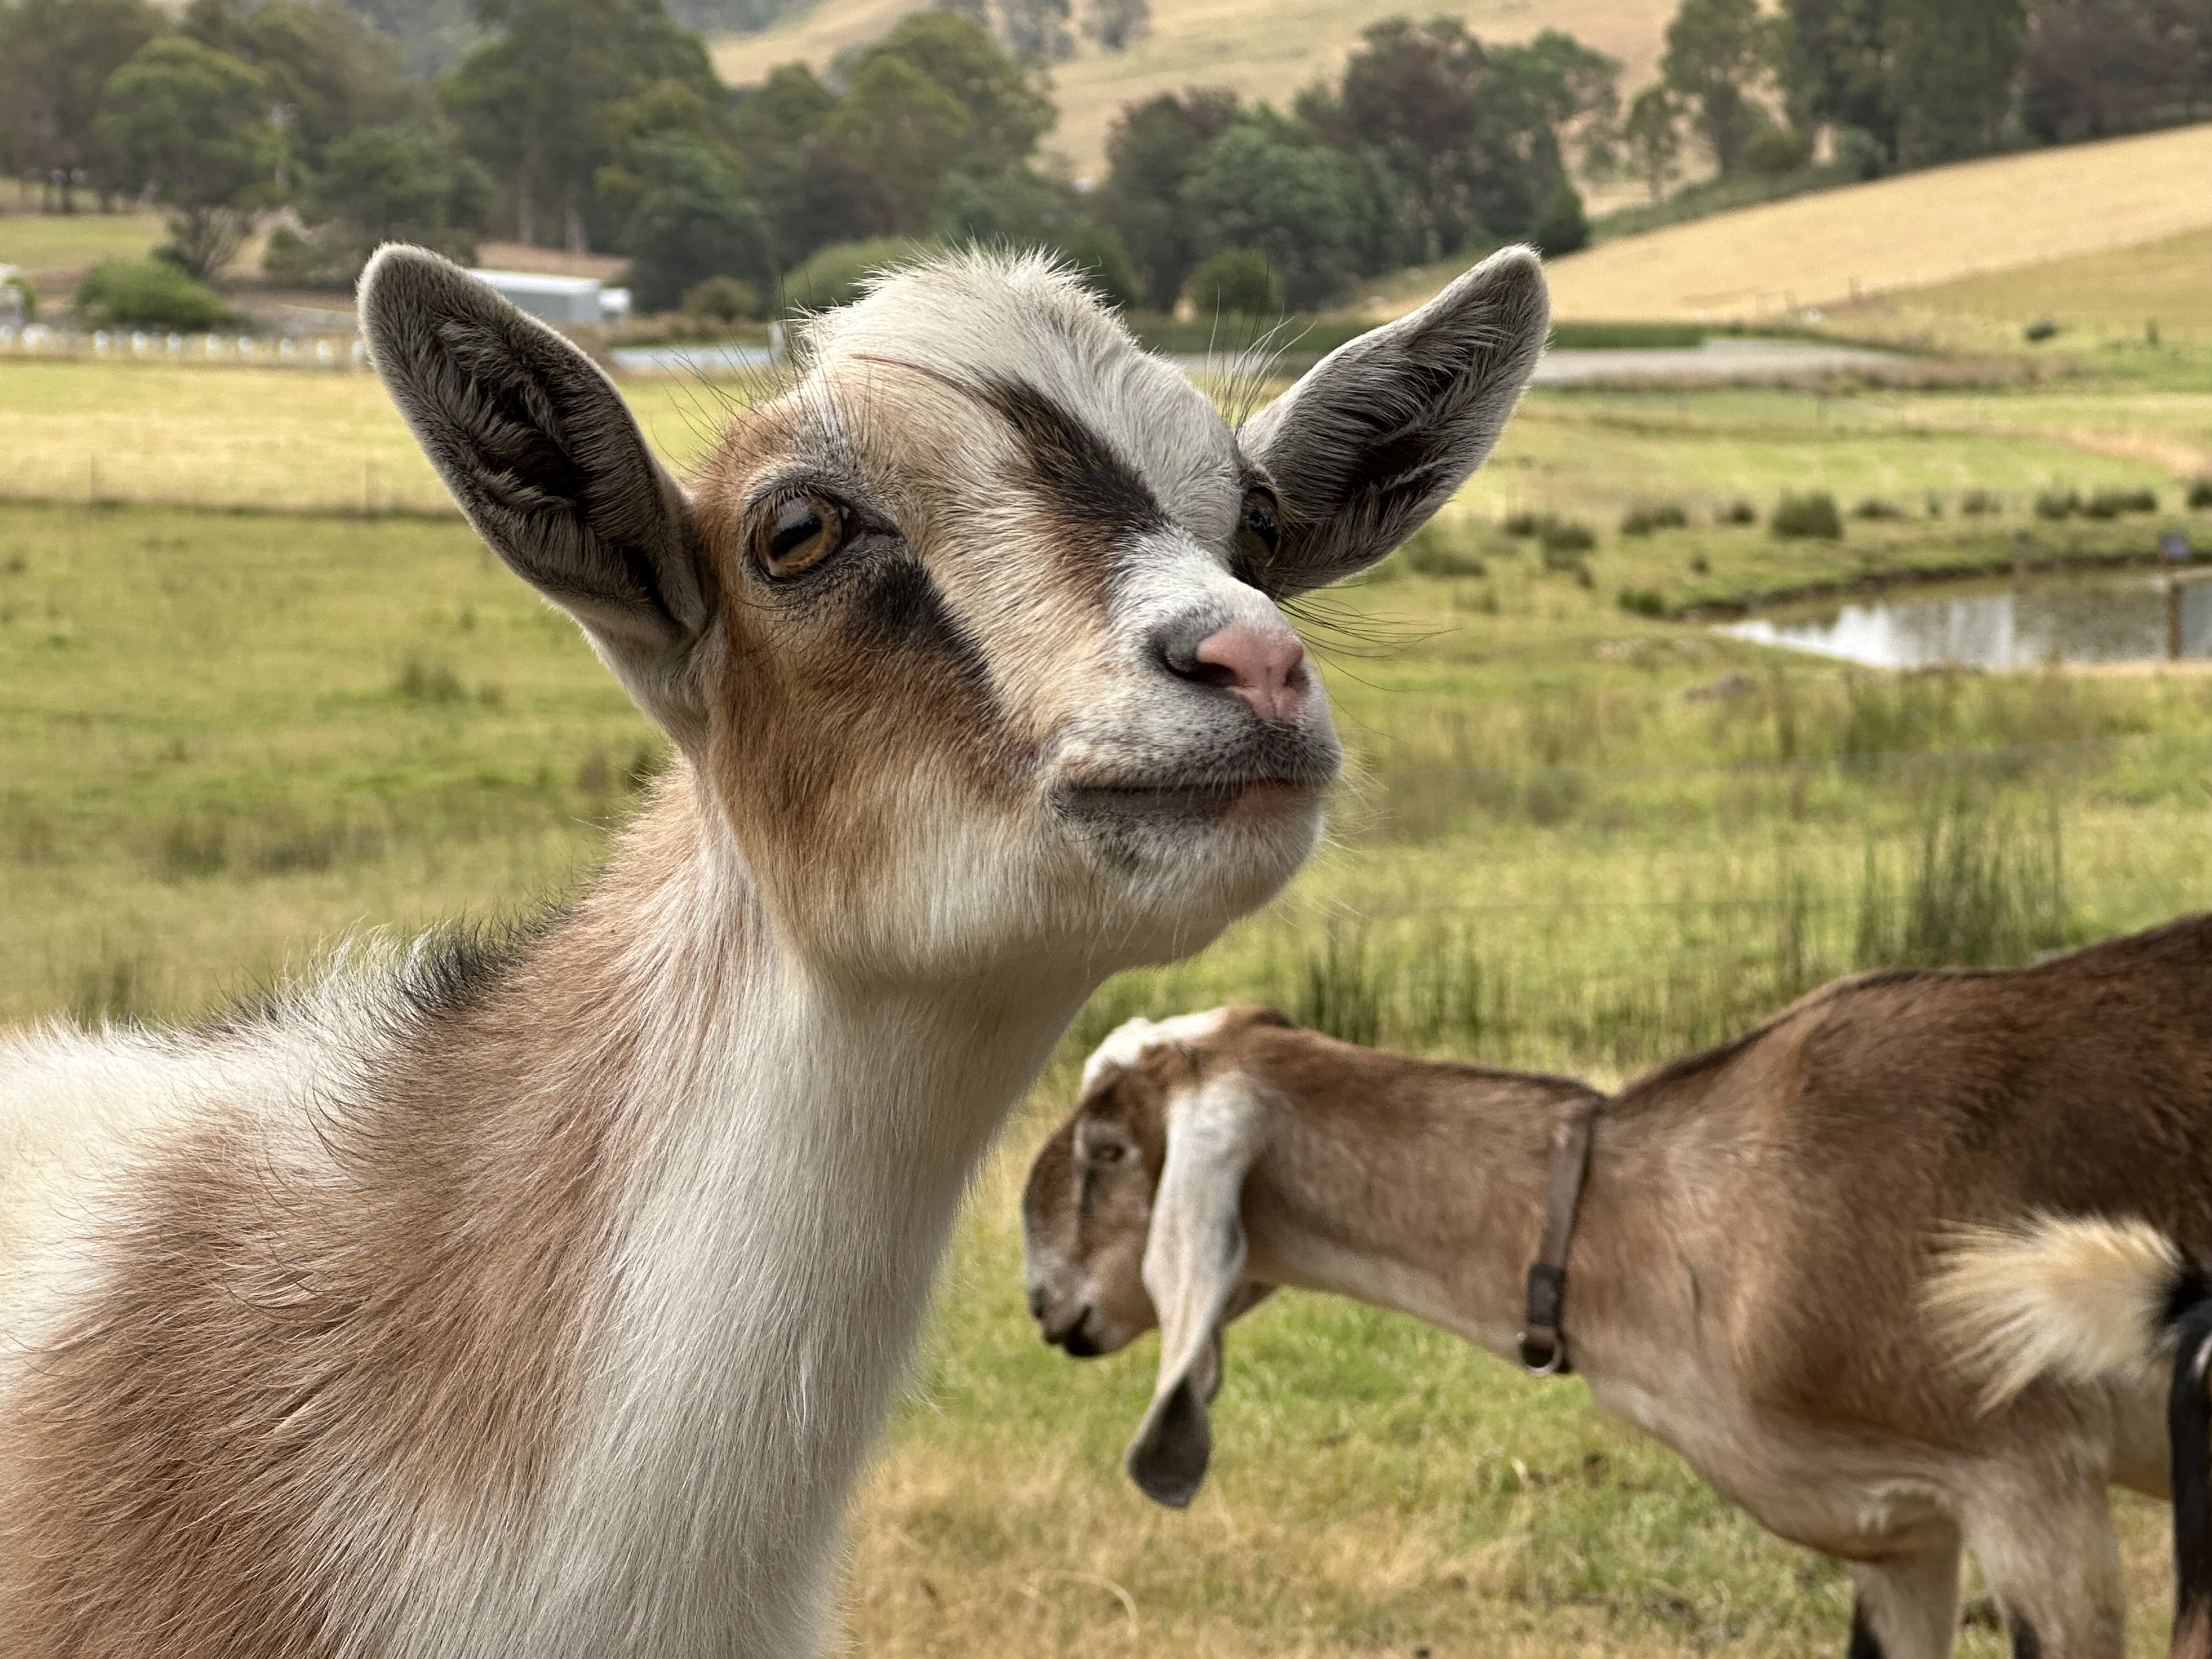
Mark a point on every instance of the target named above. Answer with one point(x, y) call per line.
point(1265, 666)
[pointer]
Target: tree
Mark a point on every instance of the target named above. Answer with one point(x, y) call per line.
point(1268, 185)
point(1720, 55)
point(530, 102)
point(1839, 66)
point(325, 69)
point(1957, 63)
point(2094, 67)
point(1651, 136)
point(402, 183)
point(1152, 149)
point(1114, 24)
point(1037, 31)
point(191, 122)
point(810, 191)
point(55, 57)
point(902, 129)
point(693, 222)
point(1007, 111)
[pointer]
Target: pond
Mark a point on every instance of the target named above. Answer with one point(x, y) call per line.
point(2136, 617)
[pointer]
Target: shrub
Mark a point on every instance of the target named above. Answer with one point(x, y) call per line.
point(21, 298)
point(1097, 252)
point(722, 299)
point(1700, 565)
point(2111, 503)
point(147, 294)
point(1238, 281)
point(1561, 539)
point(1808, 517)
point(291, 258)
point(1979, 503)
point(1737, 513)
point(1643, 520)
point(1643, 602)
point(1776, 149)
point(1875, 507)
point(2200, 494)
point(1562, 226)
point(2042, 329)
point(832, 275)
point(1526, 522)
point(2057, 504)
point(1431, 553)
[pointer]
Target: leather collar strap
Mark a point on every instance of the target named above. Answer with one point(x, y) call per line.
point(1543, 1343)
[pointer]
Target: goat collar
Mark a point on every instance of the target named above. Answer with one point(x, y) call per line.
point(1543, 1342)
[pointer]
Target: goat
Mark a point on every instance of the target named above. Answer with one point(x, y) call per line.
point(1743, 1279)
point(542, 1298)
point(2095, 1303)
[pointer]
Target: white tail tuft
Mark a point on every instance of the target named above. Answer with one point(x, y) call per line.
point(2077, 1300)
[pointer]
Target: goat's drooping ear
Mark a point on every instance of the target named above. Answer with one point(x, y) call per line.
point(1194, 1262)
point(1378, 435)
point(545, 458)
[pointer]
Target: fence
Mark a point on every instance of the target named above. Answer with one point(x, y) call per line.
point(313, 351)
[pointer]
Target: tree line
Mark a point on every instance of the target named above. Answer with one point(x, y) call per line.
point(1891, 84)
point(600, 125)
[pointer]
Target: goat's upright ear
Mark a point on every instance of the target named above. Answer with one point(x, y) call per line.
point(1377, 435)
point(1194, 1265)
point(545, 458)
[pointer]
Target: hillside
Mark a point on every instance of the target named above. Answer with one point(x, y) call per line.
point(1907, 232)
point(1264, 48)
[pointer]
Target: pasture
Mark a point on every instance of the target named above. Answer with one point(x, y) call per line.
point(1574, 837)
point(1910, 231)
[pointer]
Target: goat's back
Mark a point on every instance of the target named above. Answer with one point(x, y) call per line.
point(1837, 1143)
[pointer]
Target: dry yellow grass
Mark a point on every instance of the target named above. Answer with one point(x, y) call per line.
point(1908, 232)
point(1263, 48)
point(2168, 282)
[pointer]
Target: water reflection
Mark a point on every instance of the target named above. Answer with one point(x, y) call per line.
point(2020, 625)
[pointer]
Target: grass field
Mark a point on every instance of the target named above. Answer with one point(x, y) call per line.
point(2110, 294)
point(1907, 231)
point(1572, 837)
point(55, 248)
point(1266, 49)
point(222, 436)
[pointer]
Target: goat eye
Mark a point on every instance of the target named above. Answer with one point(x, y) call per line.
point(1260, 526)
point(798, 535)
point(1106, 1152)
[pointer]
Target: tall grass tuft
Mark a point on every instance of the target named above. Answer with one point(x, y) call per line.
point(1979, 891)
point(1344, 986)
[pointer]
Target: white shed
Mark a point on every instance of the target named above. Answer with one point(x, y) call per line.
point(559, 299)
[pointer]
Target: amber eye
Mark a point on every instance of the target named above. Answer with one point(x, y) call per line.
point(798, 535)
point(1259, 527)
point(1106, 1152)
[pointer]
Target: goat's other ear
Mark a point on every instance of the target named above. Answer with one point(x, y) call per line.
point(542, 454)
point(1380, 433)
point(1193, 1266)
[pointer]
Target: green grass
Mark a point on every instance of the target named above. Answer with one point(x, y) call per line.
point(225, 435)
point(55, 246)
point(1572, 837)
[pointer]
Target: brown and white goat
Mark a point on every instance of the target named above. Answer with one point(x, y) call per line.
point(2097, 1302)
point(542, 1299)
point(1745, 1275)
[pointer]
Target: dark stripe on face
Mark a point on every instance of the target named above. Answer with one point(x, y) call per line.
point(1072, 464)
point(898, 608)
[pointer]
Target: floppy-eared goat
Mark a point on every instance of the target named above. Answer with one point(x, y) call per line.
point(1744, 1276)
